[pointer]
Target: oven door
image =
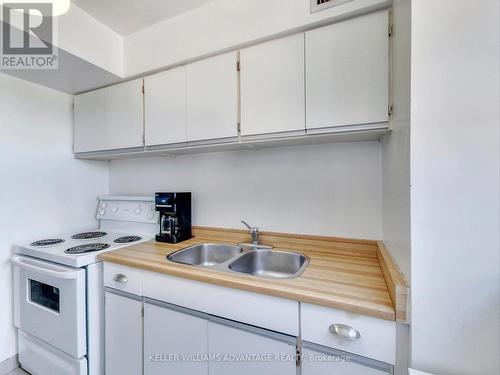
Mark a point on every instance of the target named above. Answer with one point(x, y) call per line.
point(49, 303)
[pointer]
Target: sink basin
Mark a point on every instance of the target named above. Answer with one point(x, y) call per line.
point(265, 263)
point(270, 263)
point(205, 255)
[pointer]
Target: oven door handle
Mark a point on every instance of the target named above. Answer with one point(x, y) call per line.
point(67, 275)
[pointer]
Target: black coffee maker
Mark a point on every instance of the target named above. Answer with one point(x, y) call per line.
point(175, 216)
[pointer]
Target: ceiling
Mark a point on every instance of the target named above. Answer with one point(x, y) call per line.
point(128, 16)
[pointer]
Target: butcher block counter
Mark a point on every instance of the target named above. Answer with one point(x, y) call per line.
point(353, 275)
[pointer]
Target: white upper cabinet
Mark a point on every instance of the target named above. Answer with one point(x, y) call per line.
point(347, 72)
point(330, 79)
point(109, 118)
point(124, 115)
point(212, 98)
point(272, 86)
point(88, 119)
point(165, 107)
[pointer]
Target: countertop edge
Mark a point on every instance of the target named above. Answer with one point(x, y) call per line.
point(397, 285)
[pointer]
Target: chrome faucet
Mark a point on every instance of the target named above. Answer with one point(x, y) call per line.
point(254, 231)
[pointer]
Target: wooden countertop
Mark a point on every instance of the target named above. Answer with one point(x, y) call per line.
point(353, 275)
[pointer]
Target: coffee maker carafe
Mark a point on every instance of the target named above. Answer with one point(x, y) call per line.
point(175, 216)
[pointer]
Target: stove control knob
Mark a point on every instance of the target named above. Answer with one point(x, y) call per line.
point(101, 212)
point(104, 205)
point(114, 210)
point(138, 210)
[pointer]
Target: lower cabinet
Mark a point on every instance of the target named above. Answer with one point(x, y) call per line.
point(123, 335)
point(332, 362)
point(246, 350)
point(182, 341)
point(175, 341)
point(145, 336)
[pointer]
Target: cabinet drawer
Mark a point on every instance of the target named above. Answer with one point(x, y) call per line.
point(123, 278)
point(377, 340)
point(272, 313)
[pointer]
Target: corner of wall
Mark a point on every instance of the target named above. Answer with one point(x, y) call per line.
point(396, 166)
point(396, 145)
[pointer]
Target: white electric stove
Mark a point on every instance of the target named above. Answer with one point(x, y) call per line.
point(58, 289)
point(82, 248)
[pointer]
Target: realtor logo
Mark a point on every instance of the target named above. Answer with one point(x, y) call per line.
point(28, 36)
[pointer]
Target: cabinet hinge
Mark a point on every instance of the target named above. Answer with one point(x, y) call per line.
point(389, 110)
point(143, 87)
point(238, 66)
point(239, 127)
point(298, 352)
point(390, 31)
point(142, 311)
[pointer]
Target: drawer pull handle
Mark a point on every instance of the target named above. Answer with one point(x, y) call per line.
point(120, 278)
point(344, 332)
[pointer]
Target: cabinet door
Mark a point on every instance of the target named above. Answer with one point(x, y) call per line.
point(212, 98)
point(244, 352)
point(165, 107)
point(123, 335)
point(272, 86)
point(319, 363)
point(347, 72)
point(124, 111)
point(88, 122)
point(174, 342)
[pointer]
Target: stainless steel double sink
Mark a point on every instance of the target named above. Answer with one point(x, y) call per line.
point(243, 259)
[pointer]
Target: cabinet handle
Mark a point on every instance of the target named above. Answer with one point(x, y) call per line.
point(120, 278)
point(344, 332)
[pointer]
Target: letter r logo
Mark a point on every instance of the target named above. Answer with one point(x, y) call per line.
point(37, 31)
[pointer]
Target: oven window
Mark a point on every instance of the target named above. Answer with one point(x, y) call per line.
point(44, 295)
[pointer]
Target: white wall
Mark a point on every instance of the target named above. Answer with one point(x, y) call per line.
point(43, 189)
point(332, 189)
point(223, 24)
point(82, 35)
point(455, 186)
